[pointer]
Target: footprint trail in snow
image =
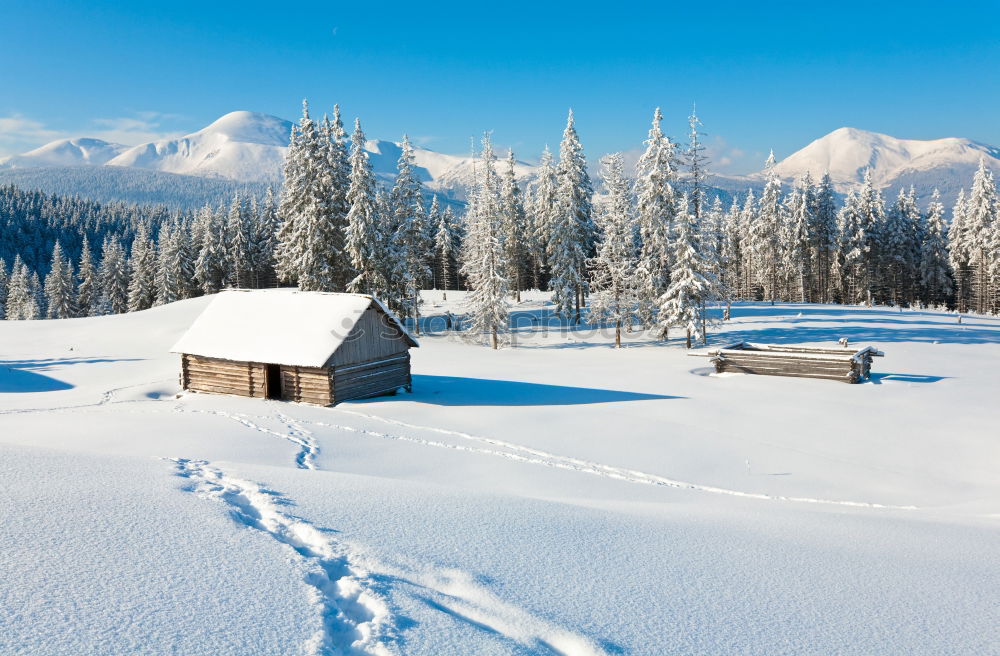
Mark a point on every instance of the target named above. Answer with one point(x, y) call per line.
point(355, 619)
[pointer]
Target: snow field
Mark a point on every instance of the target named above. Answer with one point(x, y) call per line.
point(559, 496)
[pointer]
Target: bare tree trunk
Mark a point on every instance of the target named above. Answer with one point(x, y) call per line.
point(493, 338)
point(689, 338)
point(618, 334)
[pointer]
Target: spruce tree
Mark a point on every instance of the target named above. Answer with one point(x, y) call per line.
point(823, 237)
point(142, 272)
point(210, 262)
point(981, 226)
point(238, 248)
point(22, 304)
point(59, 286)
point(410, 243)
point(365, 241)
point(483, 256)
point(613, 268)
point(691, 284)
point(935, 272)
point(656, 211)
point(572, 237)
point(297, 196)
point(542, 217)
point(88, 289)
point(114, 276)
point(959, 253)
point(765, 234)
point(514, 228)
point(4, 286)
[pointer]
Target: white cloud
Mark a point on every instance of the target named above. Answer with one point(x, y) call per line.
point(19, 134)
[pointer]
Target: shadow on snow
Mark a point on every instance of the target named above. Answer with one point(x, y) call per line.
point(21, 376)
point(458, 391)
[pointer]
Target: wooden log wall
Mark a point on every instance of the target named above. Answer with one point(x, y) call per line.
point(372, 337)
point(306, 385)
point(372, 378)
point(222, 376)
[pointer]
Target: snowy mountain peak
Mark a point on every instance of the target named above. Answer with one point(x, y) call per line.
point(83, 151)
point(846, 153)
point(251, 127)
point(242, 146)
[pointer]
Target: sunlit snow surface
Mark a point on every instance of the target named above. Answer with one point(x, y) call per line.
point(556, 497)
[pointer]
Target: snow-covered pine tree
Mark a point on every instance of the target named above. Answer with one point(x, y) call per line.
point(691, 285)
point(765, 234)
point(959, 249)
point(514, 228)
point(174, 267)
point(238, 244)
point(410, 244)
point(446, 249)
point(655, 207)
point(731, 256)
point(365, 240)
point(114, 278)
point(59, 286)
point(895, 264)
point(22, 302)
point(572, 231)
point(297, 196)
point(210, 263)
point(614, 293)
point(541, 218)
point(483, 254)
point(142, 271)
point(852, 251)
point(871, 213)
point(749, 289)
point(981, 225)
point(697, 168)
point(264, 230)
point(87, 291)
point(4, 285)
point(796, 257)
point(337, 182)
point(823, 237)
point(935, 272)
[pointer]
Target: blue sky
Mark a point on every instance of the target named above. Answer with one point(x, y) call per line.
point(774, 75)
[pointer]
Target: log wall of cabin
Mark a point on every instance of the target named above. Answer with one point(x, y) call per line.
point(373, 337)
point(217, 376)
point(306, 385)
point(372, 378)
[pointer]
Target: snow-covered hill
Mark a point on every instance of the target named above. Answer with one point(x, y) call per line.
point(83, 151)
point(946, 164)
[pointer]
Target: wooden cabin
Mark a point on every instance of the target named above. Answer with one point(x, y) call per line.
point(310, 347)
point(843, 364)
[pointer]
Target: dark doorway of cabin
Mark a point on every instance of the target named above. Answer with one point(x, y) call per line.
point(273, 387)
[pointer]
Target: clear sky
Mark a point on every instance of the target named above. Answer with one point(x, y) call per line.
point(764, 75)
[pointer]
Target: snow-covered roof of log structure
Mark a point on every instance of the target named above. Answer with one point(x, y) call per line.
point(278, 326)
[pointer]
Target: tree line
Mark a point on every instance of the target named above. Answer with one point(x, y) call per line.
point(654, 249)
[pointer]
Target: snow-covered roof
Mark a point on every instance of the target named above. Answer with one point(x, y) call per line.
point(278, 326)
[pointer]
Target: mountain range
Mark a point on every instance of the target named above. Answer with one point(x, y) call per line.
point(248, 148)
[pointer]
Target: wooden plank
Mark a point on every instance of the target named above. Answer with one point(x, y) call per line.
point(399, 357)
point(368, 373)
